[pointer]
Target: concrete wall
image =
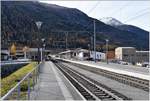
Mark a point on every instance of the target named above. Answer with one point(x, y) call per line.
point(131, 55)
point(125, 54)
point(118, 53)
point(128, 55)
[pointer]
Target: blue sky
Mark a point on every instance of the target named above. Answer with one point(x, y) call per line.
point(129, 12)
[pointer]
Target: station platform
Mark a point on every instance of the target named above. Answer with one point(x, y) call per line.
point(52, 85)
point(131, 92)
point(139, 72)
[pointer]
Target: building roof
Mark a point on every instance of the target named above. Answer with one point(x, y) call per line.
point(143, 51)
point(76, 50)
point(68, 51)
point(125, 47)
point(33, 49)
point(4, 52)
point(81, 50)
point(121, 48)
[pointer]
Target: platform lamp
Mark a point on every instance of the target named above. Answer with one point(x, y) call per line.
point(43, 48)
point(38, 24)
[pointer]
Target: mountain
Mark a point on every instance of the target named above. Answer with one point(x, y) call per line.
point(111, 21)
point(141, 34)
point(18, 25)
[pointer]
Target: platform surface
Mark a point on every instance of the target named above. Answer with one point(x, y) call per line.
point(140, 72)
point(50, 85)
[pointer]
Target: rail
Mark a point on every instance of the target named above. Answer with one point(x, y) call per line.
point(88, 87)
point(24, 86)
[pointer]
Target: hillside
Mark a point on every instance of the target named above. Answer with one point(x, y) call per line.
point(140, 33)
point(18, 25)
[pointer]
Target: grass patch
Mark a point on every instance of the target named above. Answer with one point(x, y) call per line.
point(10, 81)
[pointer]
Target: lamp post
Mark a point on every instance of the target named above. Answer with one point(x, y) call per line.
point(38, 24)
point(43, 48)
point(107, 50)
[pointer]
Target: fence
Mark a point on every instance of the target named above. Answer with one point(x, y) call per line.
point(22, 90)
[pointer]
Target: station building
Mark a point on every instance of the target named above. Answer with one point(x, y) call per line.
point(99, 55)
point(142, 56)
point(32, 53)
point(66, 54)
point(131, 55)
point(81, 54)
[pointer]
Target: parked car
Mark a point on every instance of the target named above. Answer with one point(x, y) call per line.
point(90, 59)
point(122, 62)
point(145, 64)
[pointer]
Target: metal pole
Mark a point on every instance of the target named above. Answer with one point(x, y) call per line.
point(107, 50)
point(76, 40)
point(36, 75)
point(91, 43)
point(33, 78)
point(18, 96)
point(41, 54)
point(25, 54)
point(29, 87)
point(89, 50)
point(94, 43)
point(66, 40)
point(38, 48)
point(38, 23)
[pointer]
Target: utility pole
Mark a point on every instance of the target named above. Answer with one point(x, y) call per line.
point(76, 40)
point(66, 40)
point(91, 44)
point(94, 43)
point(107, 50)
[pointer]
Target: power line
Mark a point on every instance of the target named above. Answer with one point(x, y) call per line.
point(121, 8)
point(94, 7)
point(91, 11)
point(141, 11)
point(135, 17)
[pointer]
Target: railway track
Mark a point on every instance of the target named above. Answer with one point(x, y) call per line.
point(89, 88)
point(132, 81)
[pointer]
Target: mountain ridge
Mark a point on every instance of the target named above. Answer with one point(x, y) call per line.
point(18, 23)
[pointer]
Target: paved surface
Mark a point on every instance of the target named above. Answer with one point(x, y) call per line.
point(134, 71)
point(131, 92)
point(130, 68)
point(50, 85)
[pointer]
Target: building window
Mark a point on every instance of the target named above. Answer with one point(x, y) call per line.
point(144, 55)
point(125, 55)
point(85, 54)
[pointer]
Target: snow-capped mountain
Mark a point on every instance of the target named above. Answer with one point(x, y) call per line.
point(111, 21)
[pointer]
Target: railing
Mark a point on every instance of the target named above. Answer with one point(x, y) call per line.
point(13, 62)
point(22, 90)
